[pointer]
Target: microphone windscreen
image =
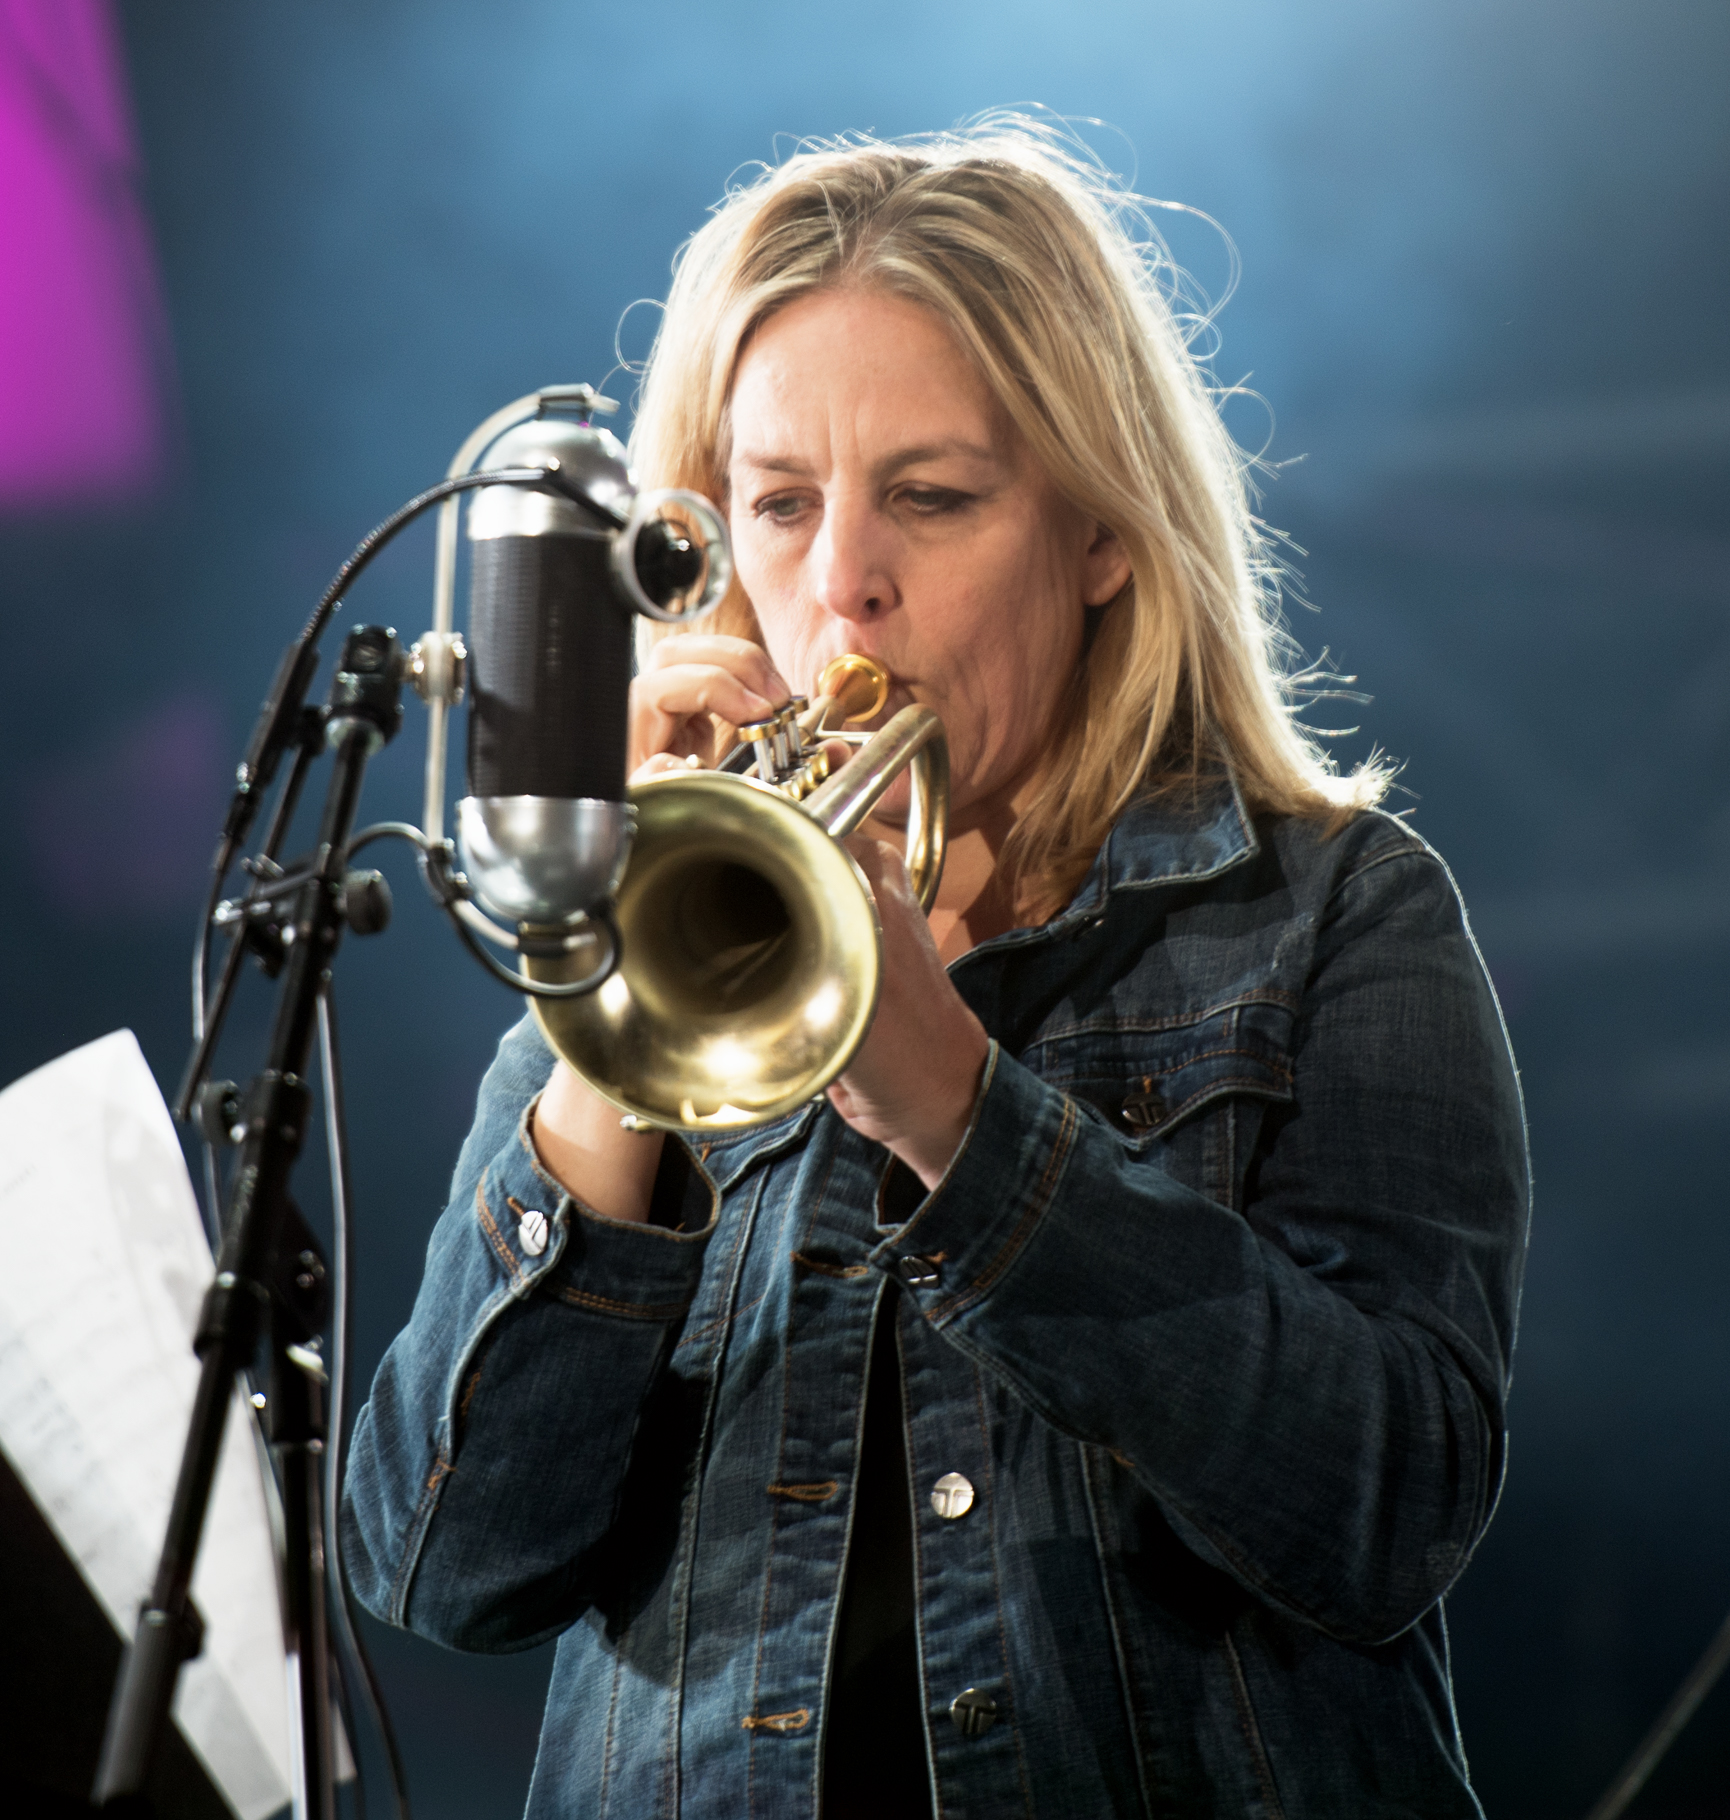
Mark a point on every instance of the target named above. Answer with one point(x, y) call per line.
point(549, 669)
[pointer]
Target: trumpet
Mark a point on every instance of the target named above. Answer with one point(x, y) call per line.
point(750, 951)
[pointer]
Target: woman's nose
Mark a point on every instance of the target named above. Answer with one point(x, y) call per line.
point(851, 563)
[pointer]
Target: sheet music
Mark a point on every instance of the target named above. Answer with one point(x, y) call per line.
point(103, 1262)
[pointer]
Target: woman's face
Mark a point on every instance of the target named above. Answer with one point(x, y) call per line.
point(882, 501)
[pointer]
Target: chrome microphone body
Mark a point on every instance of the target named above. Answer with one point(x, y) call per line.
point(545, 829)
point(557, 573)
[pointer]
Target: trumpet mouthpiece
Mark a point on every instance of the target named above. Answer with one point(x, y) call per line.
point(858, 685)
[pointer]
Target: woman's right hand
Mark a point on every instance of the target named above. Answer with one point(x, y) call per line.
point(693, 679)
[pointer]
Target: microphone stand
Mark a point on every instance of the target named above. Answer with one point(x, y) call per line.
point(269, 1286)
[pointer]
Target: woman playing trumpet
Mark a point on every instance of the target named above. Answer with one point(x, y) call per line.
point(1083, 1409)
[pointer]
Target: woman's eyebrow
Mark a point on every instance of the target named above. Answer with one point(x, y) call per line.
point(771, 462)
point(938, 451)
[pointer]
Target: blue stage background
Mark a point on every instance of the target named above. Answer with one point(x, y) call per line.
point(1484, 290)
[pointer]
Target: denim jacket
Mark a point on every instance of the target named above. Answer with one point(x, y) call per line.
point(1212, 1311)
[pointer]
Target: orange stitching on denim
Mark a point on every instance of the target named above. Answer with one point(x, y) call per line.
point(494, 1237)
point(1413, 846)
point(416, 1534)
point(1035, 1208)
point(1209, 1055)
point(807, 1262)
point(1281, 1069)
point(1212, 1091)
point(795, 1721)
point(819, 1492)
point(474, 1384)
point(636, 1311)
point(1271, 995)
point(1383, 856)
point(730, 1275)
point(720, 1323)
point(822, 1189)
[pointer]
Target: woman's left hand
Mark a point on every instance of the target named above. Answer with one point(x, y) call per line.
point(913, 1083)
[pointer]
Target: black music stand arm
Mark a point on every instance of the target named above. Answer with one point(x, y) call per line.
point(269, 1284)
point(295, 1420)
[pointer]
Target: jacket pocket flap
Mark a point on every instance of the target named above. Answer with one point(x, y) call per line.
point(1147, 1079)
point(1160, 1099)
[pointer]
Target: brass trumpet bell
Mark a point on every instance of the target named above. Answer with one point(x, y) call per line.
point(750, 952)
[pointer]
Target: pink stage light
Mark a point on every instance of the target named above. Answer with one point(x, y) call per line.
point(83, 348)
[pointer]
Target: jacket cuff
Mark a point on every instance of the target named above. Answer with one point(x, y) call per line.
point(970, 1229)
point(545, 1238)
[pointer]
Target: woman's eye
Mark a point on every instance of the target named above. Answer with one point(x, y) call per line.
point(779, 508)
point(931, 502)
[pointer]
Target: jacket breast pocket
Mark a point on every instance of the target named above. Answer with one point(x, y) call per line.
point(1189, 1093)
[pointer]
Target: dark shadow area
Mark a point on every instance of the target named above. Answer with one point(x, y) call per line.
point(56, 1674)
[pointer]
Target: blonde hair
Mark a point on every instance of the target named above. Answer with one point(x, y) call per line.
point(1028, 254)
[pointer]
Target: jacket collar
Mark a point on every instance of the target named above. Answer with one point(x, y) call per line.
point(1164, 840)
point(1169, 839)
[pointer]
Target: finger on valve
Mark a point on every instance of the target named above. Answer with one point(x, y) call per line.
point(659, 764)
point(712, 673)
point(683, 702)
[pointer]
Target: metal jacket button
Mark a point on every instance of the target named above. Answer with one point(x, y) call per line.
point(1143, 1107)
point(952, 1495)
point(532, 1232)
point(974, 1712)
point(921, 1273)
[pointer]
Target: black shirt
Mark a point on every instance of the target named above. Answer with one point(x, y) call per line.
point(874, 1755)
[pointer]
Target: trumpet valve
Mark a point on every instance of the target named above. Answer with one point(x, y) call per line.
point(782, 761)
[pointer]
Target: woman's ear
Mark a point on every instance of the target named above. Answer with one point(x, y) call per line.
point(1105, 569)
